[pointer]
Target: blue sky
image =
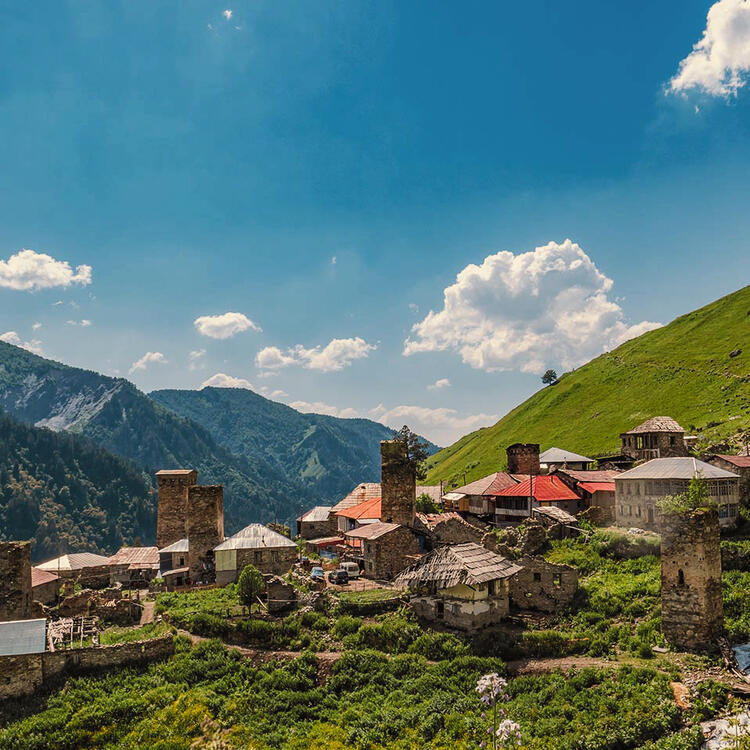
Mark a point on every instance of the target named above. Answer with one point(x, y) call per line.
point(326, 171)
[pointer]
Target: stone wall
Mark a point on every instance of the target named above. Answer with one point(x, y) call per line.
point(205, 529)
point(460, 614)
point(398, 485)
point(386, 556)
point(647, 445)
point(455, 530)
point(691, 605)
point(523, 458)
point(15, 581)
point(281, 595)
point(543, 586)
point(24, 675)
point(317, 529)
point(269, 560)
point(171, 519)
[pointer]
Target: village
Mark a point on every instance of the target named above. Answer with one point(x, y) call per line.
point(468, 560)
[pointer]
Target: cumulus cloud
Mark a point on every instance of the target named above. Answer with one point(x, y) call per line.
point(11, 337)
point(147, 359)
point(320, 407)
point(334, 356)
point(224, 326)
point(227, 14)
point(83, 323)
point(28, 270)
point(222, 380)
point(720, 60)
point(438, 384)
point(527, 311)
point(36, 326)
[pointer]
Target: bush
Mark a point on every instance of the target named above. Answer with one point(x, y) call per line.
point(346, 625)
point(439, 646)
point(250, 585)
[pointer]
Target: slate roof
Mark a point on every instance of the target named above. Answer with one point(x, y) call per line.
point(656, 424)
point(75, 561)
point(675, 468)
point(318, 513)
point(544, 488)
point(182, 546)
point(492, 484)
point(372, 530)
point(560, 456)
point(255, 536)
point(468, 563)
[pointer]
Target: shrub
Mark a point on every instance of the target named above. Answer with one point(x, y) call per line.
point(439, 646)
point(250, 585)
point(346, 625)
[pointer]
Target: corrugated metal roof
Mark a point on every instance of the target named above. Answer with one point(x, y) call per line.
point(657, 424)
point(560, 456)
point(176, 472)
point(597, 486)
point(741, 462)
point(316, 514)
point(182, 546)
point(255, 536)
point(372, 530)
point(371, 490)
point(492, 484)
point(23, 637)
point(39, 577)
point(448, 566)
point(138, 555)
point(601, 475)
point(367, 509)
point(555, 513)
point(76, 561)
point(325, 541)
point(675, 468)
point(544, 488)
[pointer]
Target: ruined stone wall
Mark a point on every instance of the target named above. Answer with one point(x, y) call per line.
point(23, 675)
point(317, 529)
point(386, 556)
point(691, 606)
point(398, 485)
point(523, 458)
point(601, 508)
point(543, 586)
point(171, 520)
point(15, 581)
point(205, 529)
point(461, 614)
point(456, 531)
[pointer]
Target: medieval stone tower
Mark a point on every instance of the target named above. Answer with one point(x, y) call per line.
point(398, 484)
point(523, 458)
point(692, 614)
point(205, 529)
point(173, 504)
point(15, 581)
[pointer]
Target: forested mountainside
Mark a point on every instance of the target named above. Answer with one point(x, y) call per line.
point(696, 369)
point(65, 493)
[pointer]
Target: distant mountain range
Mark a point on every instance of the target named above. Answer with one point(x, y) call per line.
point(696, 369)
point(270, 458)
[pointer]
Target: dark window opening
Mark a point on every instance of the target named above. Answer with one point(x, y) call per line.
point(680, 578)
point(440, 609)
point(537, 577)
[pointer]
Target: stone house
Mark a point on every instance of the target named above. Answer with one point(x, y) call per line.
point(174, 556)
point(88, 569)
point(358, 515)
point(463, 586)
point(737, 465)
point(387, 548)
point(557, 458)
point(477, 497)
point(514, 504)
point(372, 491)
point(639, 490)
point(316, 523)
point(256, 545)
point(134, 566)
point(658, 437)
point(542, 586)
point(45, 586)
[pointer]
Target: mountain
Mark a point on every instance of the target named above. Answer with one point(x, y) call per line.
point(117, 416)
point(696, 369)
point(326, 455)
point(65, 493)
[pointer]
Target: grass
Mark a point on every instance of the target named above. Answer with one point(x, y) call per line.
point(369, 596)
point(651, 375)
point(116, 634)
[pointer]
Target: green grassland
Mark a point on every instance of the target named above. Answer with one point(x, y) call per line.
point(682, 370)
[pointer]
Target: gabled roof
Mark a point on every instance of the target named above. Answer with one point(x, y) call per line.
point(560, 456)
point(657, 424)
point(255, 536)
point(373, 530)
point(175, 472)
point(316, 514)
point(741, 462)
point(593, 487)
point(365, 510)
point(371, 490)
point(135, 556)
point(601, 475)
point(76, 561)
point(675, 468)
point(181, 546)
point(40, 577)
point(544, 488)
point(492, 484)
point(468, 563)
point(554, 513)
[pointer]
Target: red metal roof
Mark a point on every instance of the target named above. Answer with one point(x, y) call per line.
point(367, 509)
point(739, 461)
point(593, 487)
point(544, 488)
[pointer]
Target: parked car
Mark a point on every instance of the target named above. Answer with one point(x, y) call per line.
point(317, 574)
point(351, 568)
point(339, 577)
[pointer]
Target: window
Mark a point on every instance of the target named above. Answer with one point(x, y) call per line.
point(182, 561)
point(491, 588)
point(440, 609)
point(258, 556)
point(537, 577)
point(680, 578)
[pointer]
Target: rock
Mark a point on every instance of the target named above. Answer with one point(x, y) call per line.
point(735, 353)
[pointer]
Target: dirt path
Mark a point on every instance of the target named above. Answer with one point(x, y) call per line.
point(147, 613)
point(542, 666)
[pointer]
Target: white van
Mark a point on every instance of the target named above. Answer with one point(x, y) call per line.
point(351, 568)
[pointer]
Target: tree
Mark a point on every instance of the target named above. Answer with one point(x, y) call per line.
point(425, 504)
point(415, 450)
point(549, 377)
point(251, 585)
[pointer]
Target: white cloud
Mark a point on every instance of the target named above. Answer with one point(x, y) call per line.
point(28, 270)
point(147, 359)
point(36, 326)
point(320, 407)
point(222, 380)
point(83, 323)
point(227, 14)
point(527, 311)
point(333, 260)
point(720, 60)
point(334, 356)
point(196, 354)
point(224, 326)
point(275, 393)
point(438, 384)
point(11, 337)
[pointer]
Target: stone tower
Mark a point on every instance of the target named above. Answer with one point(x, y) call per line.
point(398, 484)
point(523, 458)
point(171, 520)
point(692, 613)
point(205, 529)
point(15, 581)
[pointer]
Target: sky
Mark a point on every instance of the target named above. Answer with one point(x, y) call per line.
point(406, 211)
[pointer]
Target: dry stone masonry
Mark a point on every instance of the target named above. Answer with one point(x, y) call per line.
point(205, 521)
point(173, 504)
point(398, 484)
point(15, 581)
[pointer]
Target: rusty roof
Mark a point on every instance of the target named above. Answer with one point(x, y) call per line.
point(492, 484)
point(741, 462)
point(40, 577)
point(367, 509)
point(656, 424)
point(316, 514)
point(600, 475)
point(371, 490)
point(74, 561)
point(373, 530)
point(140, 555)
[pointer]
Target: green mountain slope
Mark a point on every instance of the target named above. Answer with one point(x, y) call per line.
point(326, 455)
point(65, 493)
point(683, 370)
